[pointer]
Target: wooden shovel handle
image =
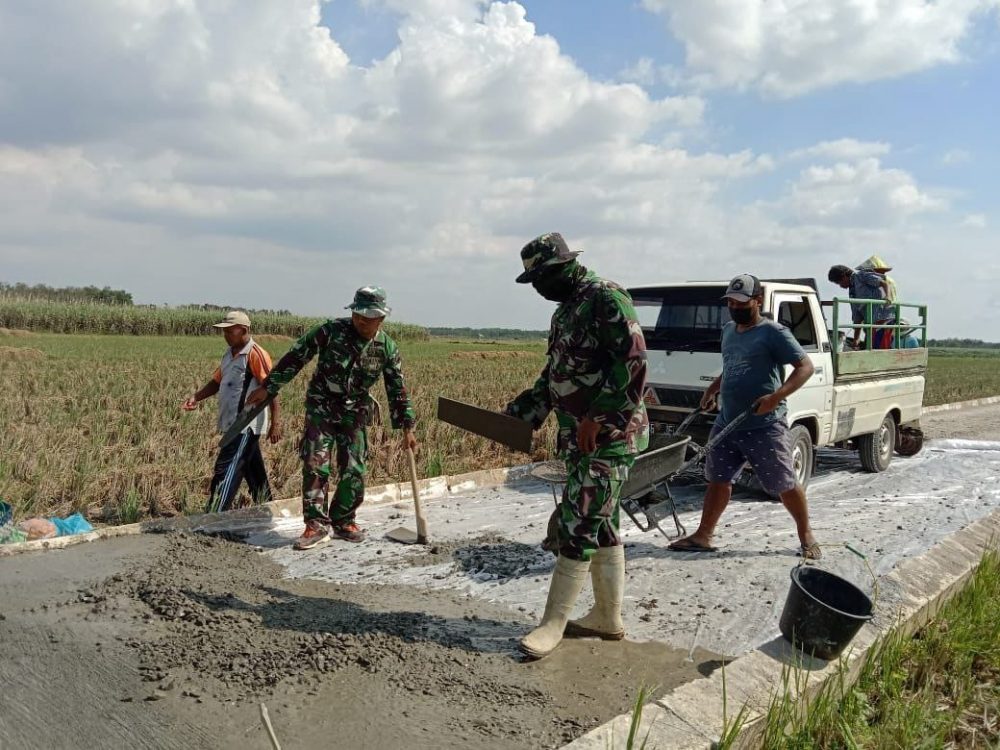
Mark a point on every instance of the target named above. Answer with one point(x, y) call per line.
point(421, 521)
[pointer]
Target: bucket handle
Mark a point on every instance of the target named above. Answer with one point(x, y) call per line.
point(864, 559)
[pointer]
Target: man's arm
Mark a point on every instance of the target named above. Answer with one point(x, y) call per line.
point(401, 412)
point(259, 362)
point(207, 391)
point(294, 360)
point(621, 392)
point(785, 350)
point(274, 431)
point(533, 404)
point(711, 395)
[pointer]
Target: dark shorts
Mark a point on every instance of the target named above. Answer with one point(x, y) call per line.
point(767, 450)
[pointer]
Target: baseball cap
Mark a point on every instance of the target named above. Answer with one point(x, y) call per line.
point(743, 287)
point(543, 251)
point(369, 302)
point(234, 318)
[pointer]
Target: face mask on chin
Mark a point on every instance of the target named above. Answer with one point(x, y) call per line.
point(742, 316)
point(555, 287)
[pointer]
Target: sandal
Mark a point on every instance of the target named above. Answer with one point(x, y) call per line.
point(811, 551)
point(687, 544)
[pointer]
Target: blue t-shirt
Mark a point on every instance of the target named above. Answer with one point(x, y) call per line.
point(868, 285)
point(752, 363)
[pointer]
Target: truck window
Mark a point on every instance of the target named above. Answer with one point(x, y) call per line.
point(681, 318)
point(795, 314)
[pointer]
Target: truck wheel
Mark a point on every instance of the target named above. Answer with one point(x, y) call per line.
point(909, 440)
point(875, 449)
point(802, 454)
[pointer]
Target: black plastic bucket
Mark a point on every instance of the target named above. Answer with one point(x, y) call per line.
point(823, 612)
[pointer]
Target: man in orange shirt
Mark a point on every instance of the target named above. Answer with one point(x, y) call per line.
point(244, 367)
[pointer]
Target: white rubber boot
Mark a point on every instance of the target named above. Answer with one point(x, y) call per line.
point(607, 571)
point(567, 581)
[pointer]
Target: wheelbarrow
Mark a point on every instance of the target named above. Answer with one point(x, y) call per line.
point(646, 495)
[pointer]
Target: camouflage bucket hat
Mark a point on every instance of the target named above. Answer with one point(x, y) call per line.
point(547, 250)
point(369, 302)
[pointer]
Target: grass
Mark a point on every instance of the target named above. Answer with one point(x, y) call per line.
point(92, 423)
point(935, 689)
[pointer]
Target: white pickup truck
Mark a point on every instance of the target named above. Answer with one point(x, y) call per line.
point(868, 400)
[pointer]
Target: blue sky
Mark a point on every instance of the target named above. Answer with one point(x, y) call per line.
point(285, 152)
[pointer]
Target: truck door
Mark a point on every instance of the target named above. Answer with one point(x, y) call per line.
point(794, 311)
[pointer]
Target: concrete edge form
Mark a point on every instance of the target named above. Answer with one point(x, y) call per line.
point(961, 405)
point(693, 715)
point(434, 488)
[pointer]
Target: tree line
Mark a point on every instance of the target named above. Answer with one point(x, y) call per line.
point(496, 334)
point(963, 344)
point(43, 292)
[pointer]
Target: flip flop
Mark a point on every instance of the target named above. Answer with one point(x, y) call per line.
point(687, 545)
point(811, 551)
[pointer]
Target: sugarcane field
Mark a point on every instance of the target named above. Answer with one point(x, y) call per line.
point(499, 374)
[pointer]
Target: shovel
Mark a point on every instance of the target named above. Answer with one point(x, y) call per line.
point(402, 534)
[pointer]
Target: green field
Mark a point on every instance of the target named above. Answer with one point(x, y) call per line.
point(93, 423)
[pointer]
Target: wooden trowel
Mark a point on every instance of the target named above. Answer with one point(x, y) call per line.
point(402, 534)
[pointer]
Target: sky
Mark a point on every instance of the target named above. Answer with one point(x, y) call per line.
point(282, 153)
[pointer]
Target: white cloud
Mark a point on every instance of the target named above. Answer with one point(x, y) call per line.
point(842, 149)
point(238, 140)
point(975, 220)
point(955, 156)
point(863, 194)
point(790, 47)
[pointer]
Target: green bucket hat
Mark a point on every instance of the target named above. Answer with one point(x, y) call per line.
point(369, 302)
point(543, 251)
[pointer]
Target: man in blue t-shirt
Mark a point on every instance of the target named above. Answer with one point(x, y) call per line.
point(867, 285)
point(754, 353)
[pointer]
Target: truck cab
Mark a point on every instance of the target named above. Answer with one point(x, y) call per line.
point(859, 400)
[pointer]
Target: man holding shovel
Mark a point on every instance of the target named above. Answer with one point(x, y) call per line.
point(353, 352)
point(754, 353)
point(594, 381)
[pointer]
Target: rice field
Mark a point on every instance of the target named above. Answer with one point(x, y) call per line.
point(93, 423)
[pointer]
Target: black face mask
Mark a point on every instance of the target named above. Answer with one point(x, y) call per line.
point(556, 287)
point(742, 316)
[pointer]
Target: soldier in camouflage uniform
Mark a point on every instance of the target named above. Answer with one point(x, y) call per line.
point(594, 381)
point(353, 353)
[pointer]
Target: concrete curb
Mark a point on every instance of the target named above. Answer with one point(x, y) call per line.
point(430, 489)
point(692, 715)
point(433, 488)
point(961, 405)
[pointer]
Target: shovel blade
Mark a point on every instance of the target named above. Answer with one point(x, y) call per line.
point(404, 535)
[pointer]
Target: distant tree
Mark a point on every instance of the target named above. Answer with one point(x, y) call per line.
point(100, 295)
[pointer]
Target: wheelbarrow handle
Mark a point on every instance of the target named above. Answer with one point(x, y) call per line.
point(716, 439)
point(682, 427)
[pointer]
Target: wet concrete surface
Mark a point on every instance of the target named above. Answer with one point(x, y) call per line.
point(165, 641)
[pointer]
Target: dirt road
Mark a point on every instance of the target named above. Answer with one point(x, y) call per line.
point(173, 641)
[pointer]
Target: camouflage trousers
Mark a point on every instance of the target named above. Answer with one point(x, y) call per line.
point(348, 444)
point(590, 510)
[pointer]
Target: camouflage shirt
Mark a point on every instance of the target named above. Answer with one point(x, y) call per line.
point(596, 368)
point(348, 367)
